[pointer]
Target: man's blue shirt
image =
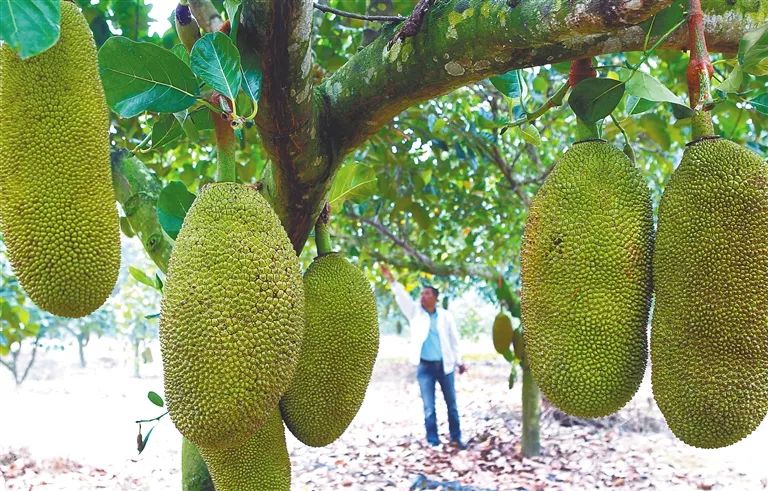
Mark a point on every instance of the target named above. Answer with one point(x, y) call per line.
point(430, 350)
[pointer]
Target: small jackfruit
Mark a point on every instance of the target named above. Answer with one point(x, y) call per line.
point(194, 472)
point(59, 218)
point(232, 317)
point(709, 341)
point(340, 344)
point(586, 281)
point(261, 463)
point(502, 333)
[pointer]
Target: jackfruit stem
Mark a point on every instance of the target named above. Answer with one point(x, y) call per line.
point(700, 67)
point(322, 236)
point(226, 144)
point(702, 125)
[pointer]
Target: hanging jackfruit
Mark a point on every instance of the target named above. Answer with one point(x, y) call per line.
point(232, 317)
point(59, 218)
point(338, 351)
point(709, 341)
point(261, 463)
point(502, 333)
point(586, 281)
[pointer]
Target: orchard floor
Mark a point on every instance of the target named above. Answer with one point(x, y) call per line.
point(68, 428)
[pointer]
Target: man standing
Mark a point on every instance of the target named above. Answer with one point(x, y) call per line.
point(434, 346)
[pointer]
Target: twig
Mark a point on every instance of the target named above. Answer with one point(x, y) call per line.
point(412, 26)
point(352, 15)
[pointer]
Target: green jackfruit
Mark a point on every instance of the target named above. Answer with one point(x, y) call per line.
point(586, 277)
point(502, 333)
point(340, 344)
point(259, 464)
point(709, 341)
point(232, 317)
point(58, 211)
point(194, 472)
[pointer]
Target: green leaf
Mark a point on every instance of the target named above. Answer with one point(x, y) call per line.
point(140, 77)
point(637, 105)
point(30, 27)
point(141, 276)
point(508, 84)
point(216, 61)
point(353, 182)
point(180, 51)
point(155, 399)
point(732, 84)
point(420, 215)
point(760, 103)
point(202, 119)
point(649, 88)
point(753, 51)
point(252, 76)
point(530, 134)
point(166, 130)
point(172, 206)
point(185, 120)
point(595, 98)
point(143, 444)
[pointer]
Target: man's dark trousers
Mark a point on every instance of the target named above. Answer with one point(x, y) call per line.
point(427, 374)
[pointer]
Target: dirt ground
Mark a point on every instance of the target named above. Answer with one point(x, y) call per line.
point(68, 428)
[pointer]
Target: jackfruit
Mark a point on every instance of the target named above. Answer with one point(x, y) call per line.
point(58, 211)
point(340, 344)
point(586, 278)
point(232, 317)
point(502, 333)
point(709, 340)
point(259, 464)
point(194, 472)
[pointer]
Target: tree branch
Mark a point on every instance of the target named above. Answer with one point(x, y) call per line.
point(464, 41)
point(206, 15)
point(421, 260)
point(352, 15)
point(278, 33)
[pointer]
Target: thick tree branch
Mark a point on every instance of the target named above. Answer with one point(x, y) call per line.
point(464, 41)
point(278, 33)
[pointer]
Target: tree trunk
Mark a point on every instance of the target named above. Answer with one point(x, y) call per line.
point(531, 415)
point(81, 350)
point(136, 346)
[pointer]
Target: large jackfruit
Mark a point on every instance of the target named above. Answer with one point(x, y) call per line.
point(259, 464)
point(339, 349)
point(502, 333)
point(709, 341)
point(586, 281)
point(58, 211)
point(232, 317)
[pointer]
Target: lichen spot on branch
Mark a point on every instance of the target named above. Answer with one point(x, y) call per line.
point(454, 68)
point(391, 53)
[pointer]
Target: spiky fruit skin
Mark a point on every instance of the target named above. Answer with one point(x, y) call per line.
point(339, 349)
point(502, 333)
point(586, 281)
point(232, 317)
point(194, 472)
point(709, 340)
point(59, 218)
point(261, 463)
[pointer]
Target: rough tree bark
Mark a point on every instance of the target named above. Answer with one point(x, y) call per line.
point(308, 130)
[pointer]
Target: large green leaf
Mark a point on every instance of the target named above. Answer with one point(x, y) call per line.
point(353, 182)
point(753, 51)
point(172, 206)
point(216, 61)
point(139, 76)
point(166, 130)
point(760, 103)
point(508, 84)
point(30, 26)
point(595, 98)
point(647, 87)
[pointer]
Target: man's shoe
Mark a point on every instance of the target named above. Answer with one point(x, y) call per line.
point(459, 444)
point(434, 444)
